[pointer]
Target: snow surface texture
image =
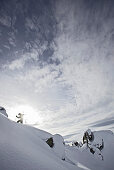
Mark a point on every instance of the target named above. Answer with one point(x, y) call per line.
point(24, 148)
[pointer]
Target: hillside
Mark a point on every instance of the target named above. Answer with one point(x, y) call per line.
point(23, 147)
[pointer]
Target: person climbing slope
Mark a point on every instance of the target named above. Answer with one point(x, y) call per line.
point(20, 117)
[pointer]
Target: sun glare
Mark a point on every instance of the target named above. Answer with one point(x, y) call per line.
point(31, 116)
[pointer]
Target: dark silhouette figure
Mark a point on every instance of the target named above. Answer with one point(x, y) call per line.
point(20, 117)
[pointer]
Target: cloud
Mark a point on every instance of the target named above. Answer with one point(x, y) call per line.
point(78, 90)
point(5, 20)
point(25, 57)
point(30, 24)
point(86, 59)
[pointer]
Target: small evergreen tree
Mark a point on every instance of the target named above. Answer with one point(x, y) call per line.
point(50, 142)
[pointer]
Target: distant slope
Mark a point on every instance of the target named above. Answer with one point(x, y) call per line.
point(100, 160)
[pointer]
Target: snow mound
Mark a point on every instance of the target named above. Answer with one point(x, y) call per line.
point(3, 111)
point(59, 146)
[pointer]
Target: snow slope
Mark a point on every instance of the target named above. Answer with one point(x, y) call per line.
point(23, 147)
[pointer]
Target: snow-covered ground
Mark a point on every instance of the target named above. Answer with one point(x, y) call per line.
point(100, 160)
point(24, 147)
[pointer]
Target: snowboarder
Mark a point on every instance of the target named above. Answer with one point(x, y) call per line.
point(20, 117)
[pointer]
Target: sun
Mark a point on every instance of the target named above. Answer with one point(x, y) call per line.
point(31, 115)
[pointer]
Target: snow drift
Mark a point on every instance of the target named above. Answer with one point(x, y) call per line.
point(23, 147)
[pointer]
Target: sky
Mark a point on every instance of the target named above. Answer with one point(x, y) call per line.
point(57, 63)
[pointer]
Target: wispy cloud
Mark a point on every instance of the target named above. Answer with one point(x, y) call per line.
point(86, 59)
point(76, 91)
point(25, 57)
